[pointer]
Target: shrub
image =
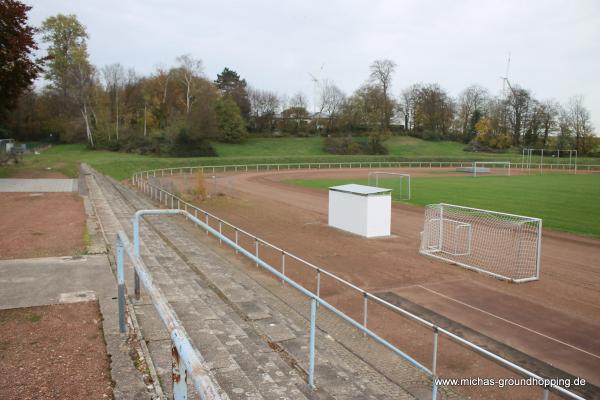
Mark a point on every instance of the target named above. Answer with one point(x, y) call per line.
point(185, 145)
point(348, 145)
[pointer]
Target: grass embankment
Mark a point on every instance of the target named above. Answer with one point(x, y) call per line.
point(66, 158)
point(565, 202)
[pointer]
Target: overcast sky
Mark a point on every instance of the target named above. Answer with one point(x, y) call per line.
point(554, 45)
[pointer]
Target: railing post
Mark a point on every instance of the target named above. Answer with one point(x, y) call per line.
point(236, 241)
point(220, 231)
point(206, 216)
point(256, 250)
point(136, 252)
point(365, 310)
point(311, 342)
point(179, 375)
point(546, 394)
point(282, 266)
point(121, 284)
point(434, 364)
point(318, 282)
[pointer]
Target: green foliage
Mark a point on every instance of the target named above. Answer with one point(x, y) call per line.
point(231, 124)
point(230, 84)
point(542, 196)
point(67, 48)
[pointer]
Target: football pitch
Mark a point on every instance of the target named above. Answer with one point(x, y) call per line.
point(565, 202)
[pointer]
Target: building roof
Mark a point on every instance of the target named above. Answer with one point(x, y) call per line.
point(361, 190)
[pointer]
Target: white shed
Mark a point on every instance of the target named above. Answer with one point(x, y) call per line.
point(359, 209)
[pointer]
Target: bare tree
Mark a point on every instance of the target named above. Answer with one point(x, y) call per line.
point(189, 69)
point(263, 107)
point(83, 76)
point(408, 103)
point(331, 100)
point(381, 75)
point(298, 100)
point(519, 102)
point(114, 78)
point(472, 98)
point(579, 120)
point(548, 112)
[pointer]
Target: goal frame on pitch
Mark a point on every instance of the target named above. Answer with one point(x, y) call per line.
point(466, 223)
point(401, 179)
point(506, 164)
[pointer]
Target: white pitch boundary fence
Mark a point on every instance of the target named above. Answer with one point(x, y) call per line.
point(156, 193)
point(403, 182)
point(505, 246)
point(333, 165)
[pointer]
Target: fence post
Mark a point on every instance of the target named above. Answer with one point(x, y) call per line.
point(311, 343)
point(206, 216)
point(121, 284)
point(179, 375)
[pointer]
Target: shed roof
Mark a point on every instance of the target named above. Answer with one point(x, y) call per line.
point(361, 190)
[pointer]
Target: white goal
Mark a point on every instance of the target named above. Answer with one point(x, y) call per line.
point(400, 183)
point(505, 246)
point(487, 168)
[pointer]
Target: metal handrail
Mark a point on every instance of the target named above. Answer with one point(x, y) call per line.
point(152, 190)
point(187, 360)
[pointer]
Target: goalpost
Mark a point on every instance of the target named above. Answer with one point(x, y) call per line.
point(403, 182)
point(506, 246)
point(530, 156)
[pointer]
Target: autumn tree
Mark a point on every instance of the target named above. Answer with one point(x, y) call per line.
point(433, 111)
point(381, 76)
point(230, 84)
point(189, 70)
point(471, 100)
point(18, 68)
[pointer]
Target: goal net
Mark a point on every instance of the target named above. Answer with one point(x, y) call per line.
point(505, 246)
point(480, 168)
point(399, 183)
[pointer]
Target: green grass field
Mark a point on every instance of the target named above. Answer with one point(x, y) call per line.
point(565, 202)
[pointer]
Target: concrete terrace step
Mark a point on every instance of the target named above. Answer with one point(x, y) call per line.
point(246, 314)
point(242, 363)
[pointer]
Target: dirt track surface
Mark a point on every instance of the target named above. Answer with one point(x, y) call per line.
point(53, 352)
point(555, 319)
point(41, 225)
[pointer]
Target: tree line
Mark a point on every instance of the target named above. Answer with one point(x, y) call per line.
point(179, 110)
